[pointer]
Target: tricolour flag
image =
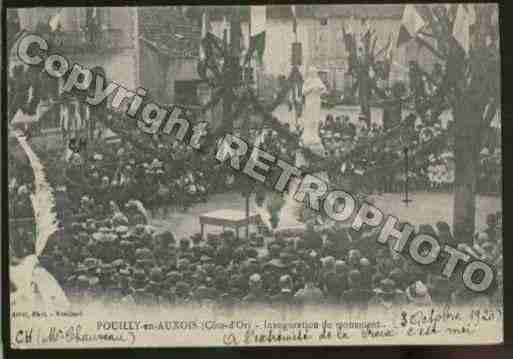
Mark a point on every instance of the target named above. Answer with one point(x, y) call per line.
point(465, 17)
point(389, 49)
point(257, 36)
point(411, 24)
point(204, 30)
point(348, 34)
point(294, 19)
point(225, 28)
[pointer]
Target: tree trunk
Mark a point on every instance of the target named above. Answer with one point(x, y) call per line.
point(467, 118)
point(247, 214)
point(364, 96)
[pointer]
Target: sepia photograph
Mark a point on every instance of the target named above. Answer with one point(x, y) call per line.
point(254, 175)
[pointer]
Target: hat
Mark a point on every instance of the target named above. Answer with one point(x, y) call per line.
point(255, 278)
point(354, 253)
point(439, 283)
point(144, 262)
point(202, 292)
point(156, 275)
point(81, 268)
point(94, 281)
point(143, 253)
point(125, 272)
point(90, 263)
point(182, 262)
point(286, 281)
point(139, 230)
point(138, 279)
point(396, 275)
point(75, 227)
point(205, 258)
point(228, 234)
point(121, 230)
point(355, 277)
point(418, 293)
point(364, 262)
point(126, 244)
point(340, 266)
point(173, 277)
point(119, 219)
point(328, 261)
point(388, 286)
point(482, 237)
point(83, 237)
point(166, 237)
point(118, 263)
point(183, 288)
point(83, 281)
point(107, 268)
point(276, 263)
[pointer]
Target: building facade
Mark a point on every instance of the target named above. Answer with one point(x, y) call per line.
point(319, 30)
point(151, 47)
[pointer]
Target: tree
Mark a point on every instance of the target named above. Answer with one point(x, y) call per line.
point(365, 64)
point(470, 84)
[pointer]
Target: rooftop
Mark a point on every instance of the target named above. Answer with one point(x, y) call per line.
point(315, 11)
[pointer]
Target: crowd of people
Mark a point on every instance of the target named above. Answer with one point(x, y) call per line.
point(115, 257)
point(111, 260)
point(110, 253)
point(435, 172)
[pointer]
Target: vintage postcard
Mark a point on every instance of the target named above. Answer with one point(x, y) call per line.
point(280, 175)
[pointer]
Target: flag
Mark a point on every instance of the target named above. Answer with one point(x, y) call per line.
point(465, 17)
point(389, 49)
point(348, 35)
point(56, 20)
point(204, 30)
point(411, 24)
point(294, 19)
point(257, 36)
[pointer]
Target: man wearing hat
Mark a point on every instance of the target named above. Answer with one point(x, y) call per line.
point(84, 295)
point(139, 286)
point(256, 293)
point(184, 249)
point(144, 259)
point(156, 285)
point(182, 293)
point(71, 282)
point(491, 230)
point(127, 250)
point(357, 296)
point(388, 296)
point(310, 294)
point(285, 297)
point(440, 289)
point(418, 295)
point(107, 275)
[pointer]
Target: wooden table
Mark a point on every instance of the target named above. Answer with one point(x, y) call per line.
point(228, 218)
